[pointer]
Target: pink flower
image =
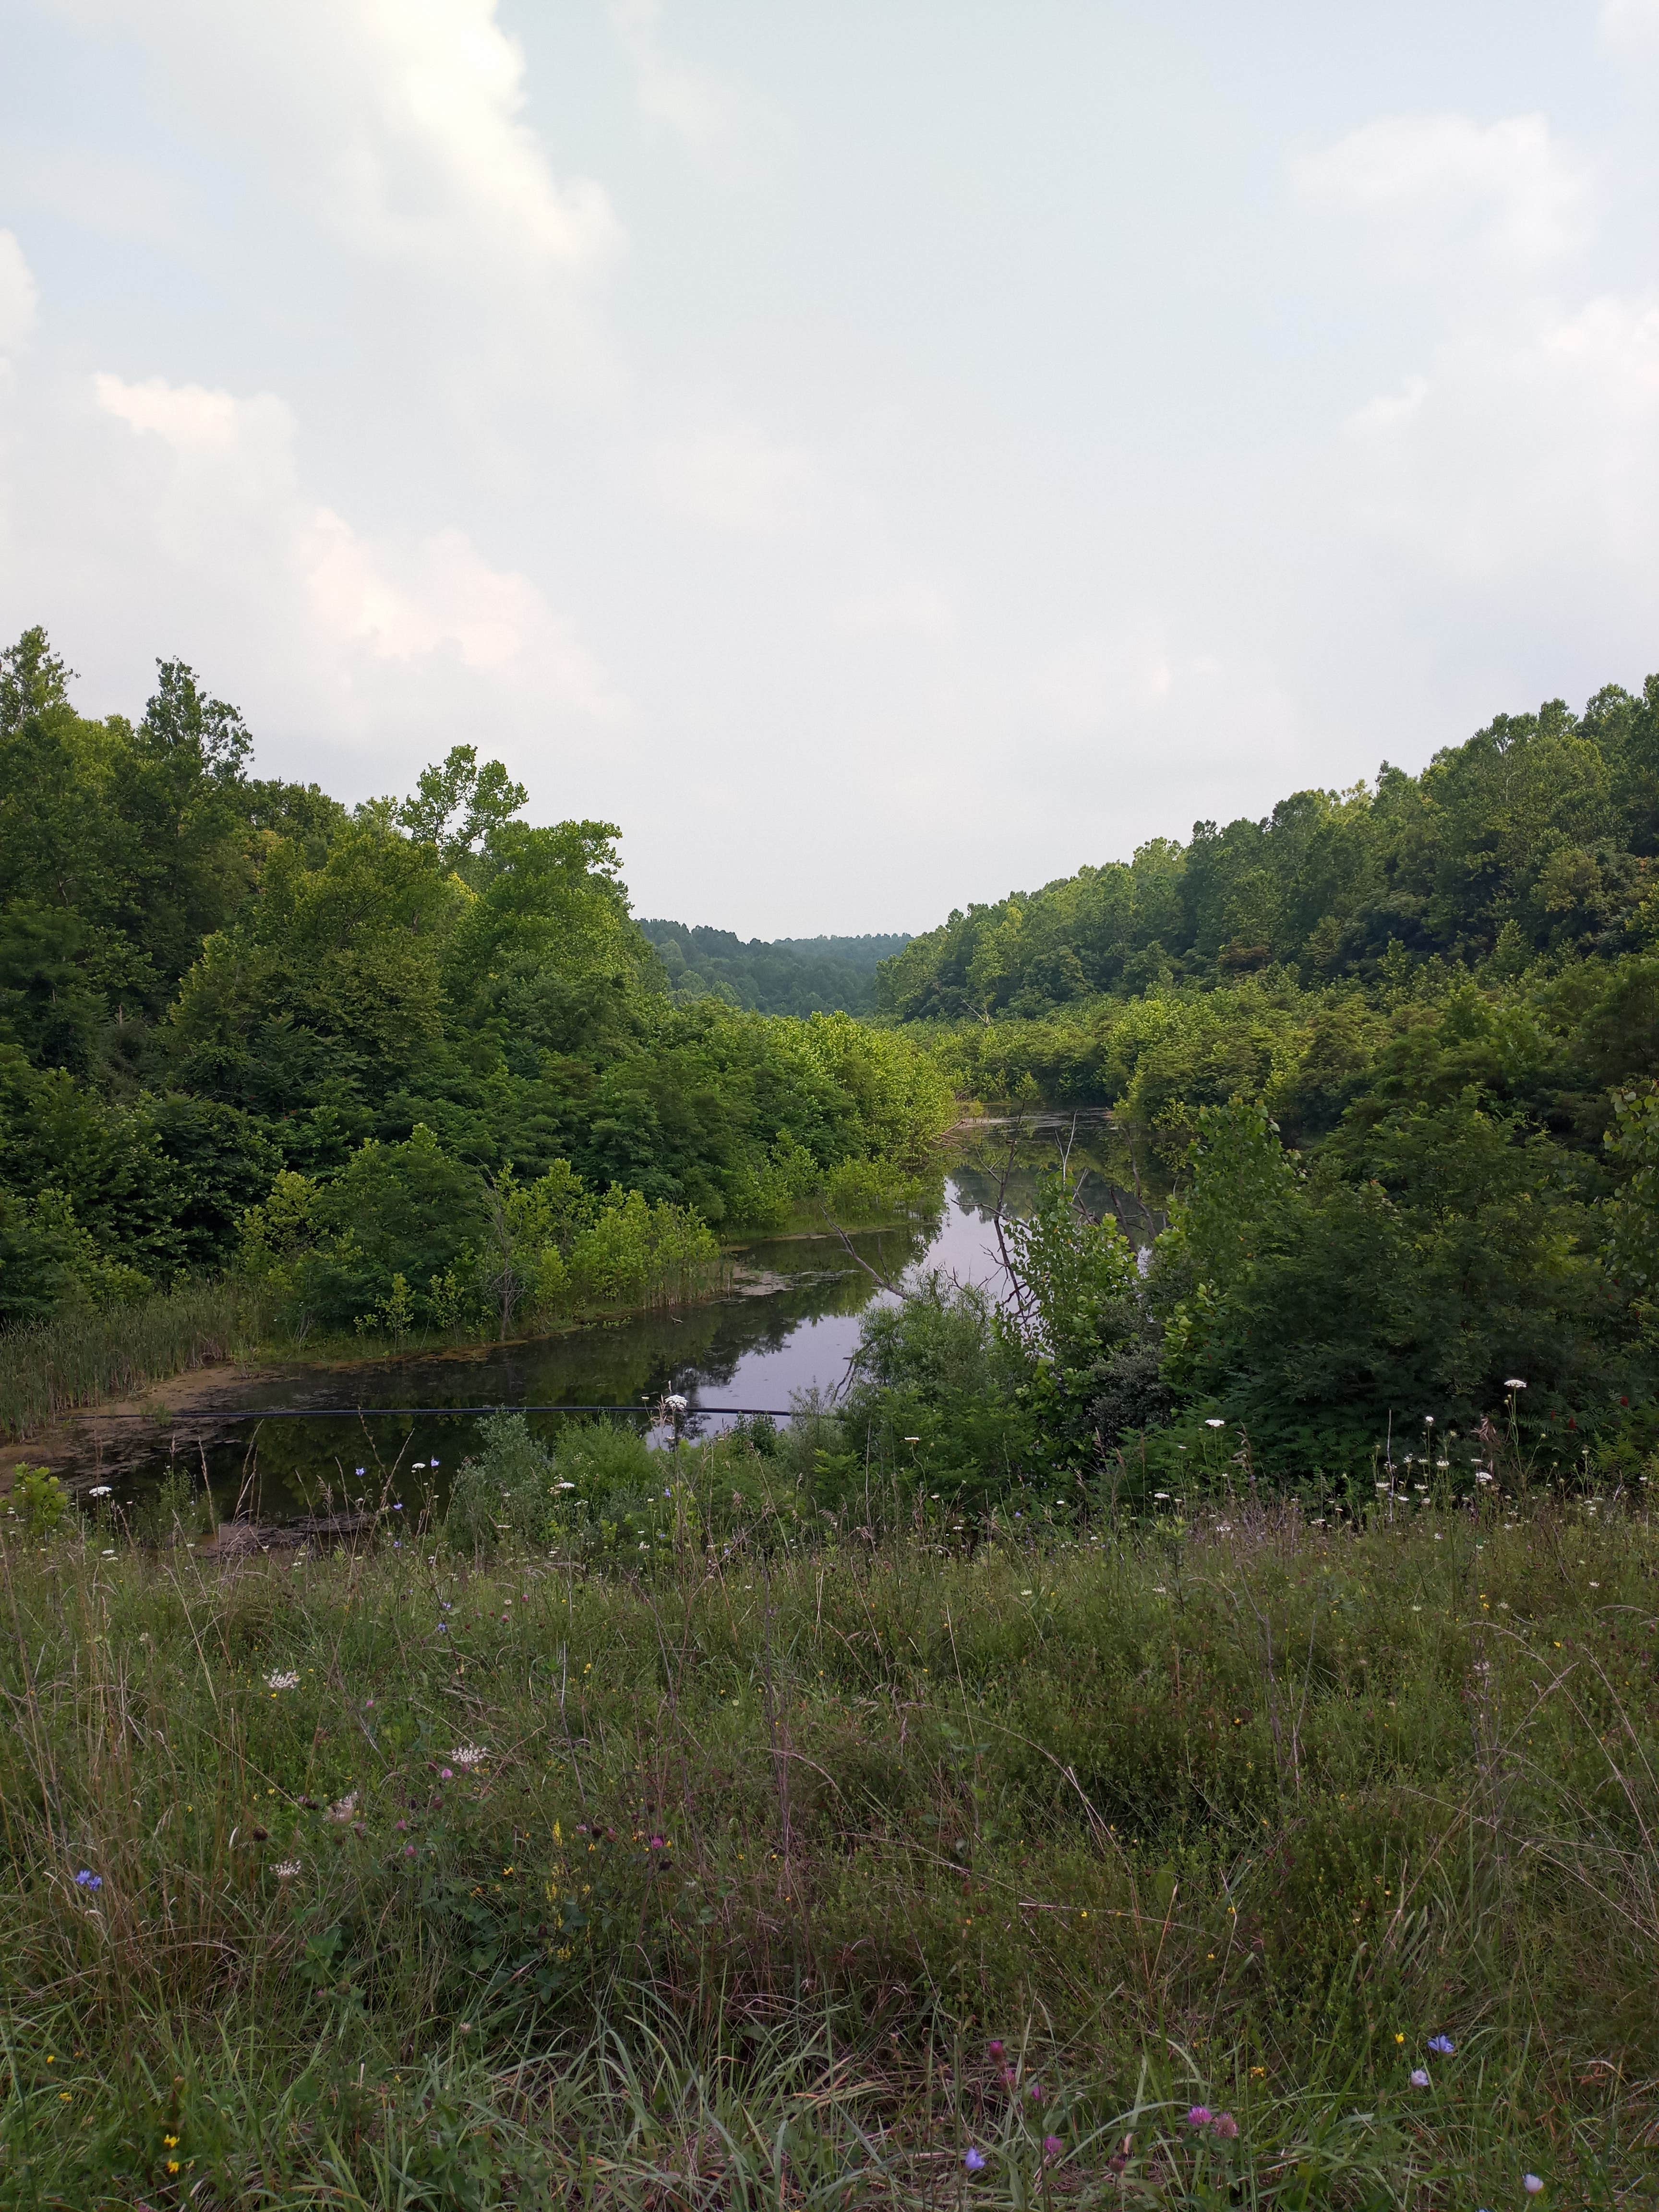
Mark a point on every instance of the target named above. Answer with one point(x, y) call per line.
point(1052, 2146)
point(446, 1774)
point(997, 2050)
point(1225, 2126)
point(1035, 2092)
point(1200, 2116)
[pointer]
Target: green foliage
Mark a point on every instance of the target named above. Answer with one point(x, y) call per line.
point(408, 1238)
point(38, 1499)
point(790, 976)
point(1533, 840)
point(210, 985)
point(1632, 1143)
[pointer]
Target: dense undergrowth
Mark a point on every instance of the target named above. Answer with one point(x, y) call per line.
point(803, 1857)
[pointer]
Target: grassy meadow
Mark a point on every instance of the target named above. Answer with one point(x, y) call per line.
point(1232, 1859)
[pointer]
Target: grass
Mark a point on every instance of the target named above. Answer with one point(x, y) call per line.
point(771, 1843)
point(89, 1353)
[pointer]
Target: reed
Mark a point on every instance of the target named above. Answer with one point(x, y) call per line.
point(86, 1354)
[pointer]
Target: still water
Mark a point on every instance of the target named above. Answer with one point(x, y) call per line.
point(789, 1323)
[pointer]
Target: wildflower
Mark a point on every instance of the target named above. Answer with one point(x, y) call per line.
point(1225, 2126)
point(1532, 2184)
point(287, 1869)
point(172, 2142)
point(409, 1850)
point(398, 1506)
point(1010, 2079)
point(343, 1808)
point(973, 2159)
point(99, 1490)
point(1214, 1423)
point(446, 1774)
point(87, 1879)
point(1052, 2146)
point(656, 1843)
point(1036, 2092)
point(1200, 2116)
point(996, 2049)
point(469, 1755)
point(172, 2166)
point(1513, 1382)
point(1442, 2046)
point(1420, 2078)
point(287, 1680)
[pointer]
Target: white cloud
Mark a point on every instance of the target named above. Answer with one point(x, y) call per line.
point(189, 417)
point(737, 478)
point(1436, 184)
point(19, 294)
point(697, 108)
point(1526, 459)
point(907, 609)
point(229, 500)
point(89, 187)
point(399, 122)
point(1094, 682)
point(1631, 27)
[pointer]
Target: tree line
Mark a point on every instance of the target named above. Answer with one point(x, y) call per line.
point(242, 1024)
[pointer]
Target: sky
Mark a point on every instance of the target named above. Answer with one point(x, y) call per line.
point(879, 455)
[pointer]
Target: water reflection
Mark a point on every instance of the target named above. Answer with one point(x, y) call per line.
point(789, 1323)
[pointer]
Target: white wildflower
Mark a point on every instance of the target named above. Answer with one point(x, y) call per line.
point(469, 1755)
point(287, 1869)
point(282, 1681)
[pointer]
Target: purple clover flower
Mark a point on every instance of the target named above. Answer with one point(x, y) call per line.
point(1200, 2116)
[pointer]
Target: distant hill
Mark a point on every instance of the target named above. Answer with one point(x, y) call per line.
point(787, 976)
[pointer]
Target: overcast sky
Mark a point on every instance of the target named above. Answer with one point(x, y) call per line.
point(882, 453)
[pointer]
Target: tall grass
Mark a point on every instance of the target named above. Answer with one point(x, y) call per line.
point(81, 1356)
point(787, 1871)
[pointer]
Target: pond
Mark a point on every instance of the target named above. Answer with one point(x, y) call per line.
point(301, 1438)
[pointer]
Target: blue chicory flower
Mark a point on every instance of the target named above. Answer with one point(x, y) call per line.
point(88, 1879)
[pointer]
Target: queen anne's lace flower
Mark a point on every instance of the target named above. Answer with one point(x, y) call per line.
point(288, 1681)
point(469, 1755)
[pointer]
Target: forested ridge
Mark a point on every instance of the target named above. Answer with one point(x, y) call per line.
point(411, 1062)
point(787, 976)
point(1535, 839)
point(1390, 1054)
